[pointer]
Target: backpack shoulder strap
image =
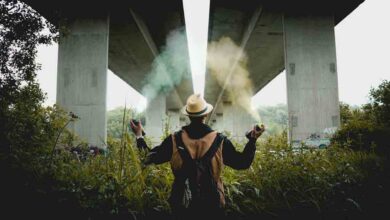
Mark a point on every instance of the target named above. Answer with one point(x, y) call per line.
point(213, 148)
point(182, 149)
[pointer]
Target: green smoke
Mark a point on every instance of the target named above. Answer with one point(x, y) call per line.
point(170, 67)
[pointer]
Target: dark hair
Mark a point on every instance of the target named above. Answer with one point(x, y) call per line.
point(197, 120)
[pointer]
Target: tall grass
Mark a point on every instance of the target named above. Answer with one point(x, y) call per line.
point(281, 182)
point(284, 182)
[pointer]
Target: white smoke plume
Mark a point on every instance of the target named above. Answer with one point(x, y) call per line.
point(227, 63)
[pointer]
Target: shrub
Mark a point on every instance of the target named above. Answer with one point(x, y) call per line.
point(284, 183)
point(368, 127)
point(281, 182)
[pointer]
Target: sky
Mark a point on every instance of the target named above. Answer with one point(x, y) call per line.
point(362, 47)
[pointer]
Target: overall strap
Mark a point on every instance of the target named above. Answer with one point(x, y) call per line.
point(185, 154)
point(213, 148)
point(182, 149)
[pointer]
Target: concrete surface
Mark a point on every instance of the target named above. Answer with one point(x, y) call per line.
point(82, 76)
point(312, 89)
point(174, 120)
point(236, 121)
point(135, 35)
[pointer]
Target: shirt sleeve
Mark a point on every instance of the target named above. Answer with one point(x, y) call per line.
point(159, 154)
point(238, 160)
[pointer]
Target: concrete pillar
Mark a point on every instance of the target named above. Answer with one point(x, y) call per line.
point(217, 123)
point(174, 120)
point(155, 118)
point(184, 120)
point(82, 76)
point(236, 121)
point(312, 88)
point(228, 122)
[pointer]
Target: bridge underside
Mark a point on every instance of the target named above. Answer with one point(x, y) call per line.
point(128, 38)
point(275, 37)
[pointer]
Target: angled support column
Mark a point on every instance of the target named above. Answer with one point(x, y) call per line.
point(312, 87)
point(216, 122)
point(155, 118)
point(82, 76)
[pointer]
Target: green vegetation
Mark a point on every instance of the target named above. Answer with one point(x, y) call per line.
point(367, 128)
point(21, 30)
point(45, 178)
point(115, 121)
point(281, 182)
point(340, 181)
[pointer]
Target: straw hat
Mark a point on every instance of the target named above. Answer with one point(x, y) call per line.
point(196, 106)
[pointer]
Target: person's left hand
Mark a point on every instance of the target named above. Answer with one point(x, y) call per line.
point(255, 133)
point(136, 128)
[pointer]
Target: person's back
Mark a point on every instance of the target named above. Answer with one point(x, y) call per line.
point(197, 165)
point(197, 155)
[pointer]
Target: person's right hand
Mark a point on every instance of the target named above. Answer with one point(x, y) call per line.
point(255, 133)
point(136, 128)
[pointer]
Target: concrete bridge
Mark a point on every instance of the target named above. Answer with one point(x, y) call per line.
point(127, 36)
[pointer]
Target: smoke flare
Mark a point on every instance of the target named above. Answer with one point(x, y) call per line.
point(170, 67)
point(227, 63)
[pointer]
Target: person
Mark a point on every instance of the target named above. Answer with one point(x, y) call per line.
point(197, 155)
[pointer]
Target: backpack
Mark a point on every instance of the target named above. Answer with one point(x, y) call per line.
point(194, 185)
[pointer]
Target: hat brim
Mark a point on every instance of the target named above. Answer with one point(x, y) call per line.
point(209, 108)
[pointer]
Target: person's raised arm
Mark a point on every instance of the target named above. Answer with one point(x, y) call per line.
point(157, 155)
point(241, 160)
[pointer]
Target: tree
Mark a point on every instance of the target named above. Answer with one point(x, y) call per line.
point(21, 30)
point(367, 127)
point(379, 106)
point(115, 121)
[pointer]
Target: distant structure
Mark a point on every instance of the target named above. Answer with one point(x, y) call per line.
point(126, 36)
